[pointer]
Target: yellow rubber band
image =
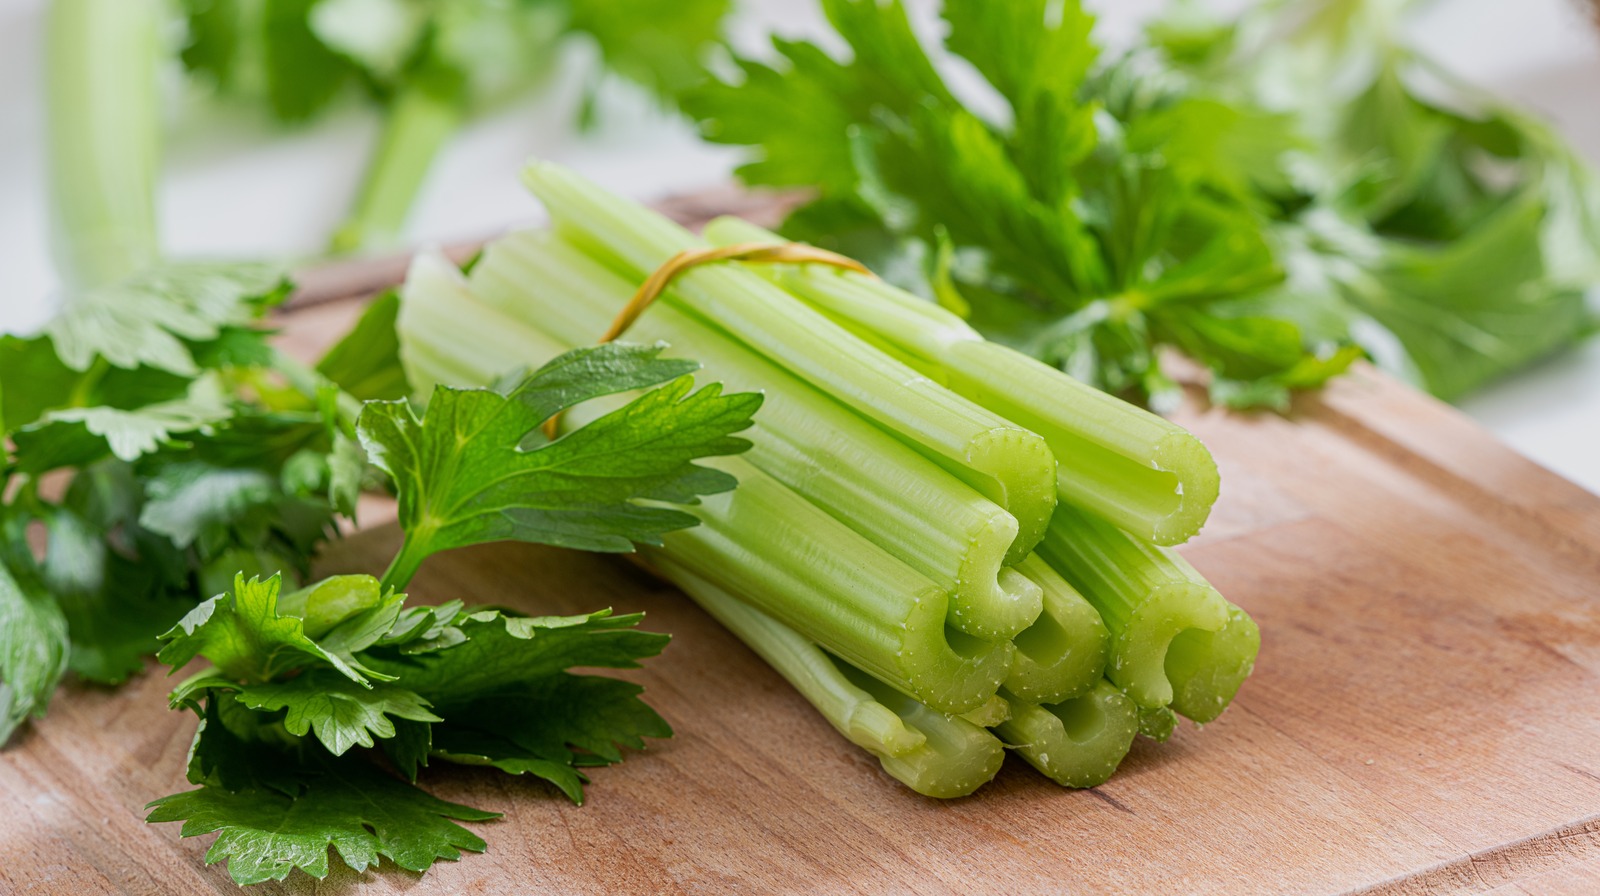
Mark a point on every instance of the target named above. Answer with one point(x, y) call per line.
point(654, 285)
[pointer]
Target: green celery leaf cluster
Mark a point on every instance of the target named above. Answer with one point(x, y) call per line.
point(427, 65)
point(299, 680)
point(160, 446)
point(1273, 196)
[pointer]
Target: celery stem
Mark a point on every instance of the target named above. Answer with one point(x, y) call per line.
point(417, 125)
point(103, 124)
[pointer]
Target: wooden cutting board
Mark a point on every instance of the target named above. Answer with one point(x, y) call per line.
point(1424, 718)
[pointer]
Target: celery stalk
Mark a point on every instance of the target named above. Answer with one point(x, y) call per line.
point(1076, 743)
point(1008, 464)
point(860, 474)
point(1064, 652)
point(104, 125)
point(762, 540)
point(1117, 461)
point(1174, 640)
point(935, 755)
point(416, 126)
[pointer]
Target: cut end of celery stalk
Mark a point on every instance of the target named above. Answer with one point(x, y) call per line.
point(1078, 742)
point(1196, 486)
point(956, 756)
point(1064, 653)
point(1173, 614)
point(1207, 668)
point(1018, 472)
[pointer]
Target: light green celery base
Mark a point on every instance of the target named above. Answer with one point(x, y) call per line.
point(1064, 653)
point(957, 758)
point(857, 472)
point(1075, 743)
point(1149, 597)
point(104, 126)
point(1007, 464)
point(1122, 463)
point(933, 754)
point(762, 540)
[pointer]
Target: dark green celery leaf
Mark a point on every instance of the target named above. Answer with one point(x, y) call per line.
point(409, 748)
point(343, 713)
point(501, 652)
point(76, 436)
point(550, 728)
point(245, 636)
point(366, 362)
point(115, 607)
point(359, 811)
point(33, 636)
point(302, 74)
point(1478, 307)
point(508, 701)
point(474, 469)
point(32, 381)
point(147, 319)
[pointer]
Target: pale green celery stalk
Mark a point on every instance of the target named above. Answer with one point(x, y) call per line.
point(417, 125)
point(935, 755)
point(1158, 724)
point(762, 540)
point(1078, 742)
point(860, 474)
point(1117, 461)
point(103, 118)
point(1008, 464)
point(1063, 654)
point(1174, 640)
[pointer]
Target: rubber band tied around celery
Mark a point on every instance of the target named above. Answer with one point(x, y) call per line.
point(657, 282)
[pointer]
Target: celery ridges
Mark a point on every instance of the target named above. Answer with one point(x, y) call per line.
point(1010, 465)
point(860, 474)
point(1121, 463)
point(862, 563)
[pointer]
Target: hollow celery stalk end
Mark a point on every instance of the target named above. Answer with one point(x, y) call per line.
point(1024, 482)
point(1198, 486)
point(1174, 613)
point(1078, 742)
point(1064, 653)
point(1206, 669)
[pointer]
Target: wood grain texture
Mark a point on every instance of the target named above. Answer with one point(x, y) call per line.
point(1424, 718)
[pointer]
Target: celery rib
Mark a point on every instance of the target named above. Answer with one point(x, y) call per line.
point(1062, 654)
point(1007, 464)
point(1077, 742)
point(1174, 639)
point(857, 472)
point(762, 540)
point(101, 92)
point(1124, 464)
point(416, 126)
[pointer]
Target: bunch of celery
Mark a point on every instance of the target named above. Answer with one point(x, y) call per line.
point(946, 546)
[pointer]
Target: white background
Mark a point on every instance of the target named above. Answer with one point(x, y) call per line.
point(237, 189)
